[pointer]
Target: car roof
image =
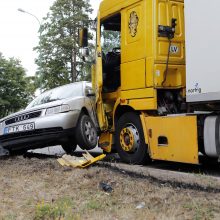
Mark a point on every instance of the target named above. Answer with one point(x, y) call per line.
point(74, 83)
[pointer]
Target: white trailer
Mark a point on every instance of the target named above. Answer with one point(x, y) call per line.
point(202, 23)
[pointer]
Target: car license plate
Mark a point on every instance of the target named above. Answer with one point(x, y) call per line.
point(19, 128)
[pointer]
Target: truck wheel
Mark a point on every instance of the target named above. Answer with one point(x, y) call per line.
point(86, 133)
point(130, 142)
point(69, 148)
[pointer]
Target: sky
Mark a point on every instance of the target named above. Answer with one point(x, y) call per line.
point(19, 31)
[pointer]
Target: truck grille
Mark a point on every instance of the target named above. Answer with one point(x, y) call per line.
point(23, 117)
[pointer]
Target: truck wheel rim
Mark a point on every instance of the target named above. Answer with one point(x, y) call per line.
point(129, 138)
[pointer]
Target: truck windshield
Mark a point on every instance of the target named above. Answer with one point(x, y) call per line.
point(63, 92)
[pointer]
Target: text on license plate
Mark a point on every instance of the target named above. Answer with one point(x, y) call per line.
point(19, 128)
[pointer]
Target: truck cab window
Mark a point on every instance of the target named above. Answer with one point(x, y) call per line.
point(111, 53)
point(110, 40)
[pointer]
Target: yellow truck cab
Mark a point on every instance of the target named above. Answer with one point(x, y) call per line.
point(140, 83)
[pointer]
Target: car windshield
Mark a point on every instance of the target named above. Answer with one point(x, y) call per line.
point(63, 92)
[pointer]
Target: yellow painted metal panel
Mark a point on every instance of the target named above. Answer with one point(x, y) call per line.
point(176, 77)
point(142, 117)
point(98, 81)
point(133, 32)
point(163, 50)
point(162, 13)
point(99, 77)
point(116, 106)
point(149, 43)
point(106, 141)
point(149, 72)
point(138, 93)
point(181, 134)
point(133, 75)
point(166, 10)
point(93, 73)
point(112, 96)
point(142, 104)
point(109, 7)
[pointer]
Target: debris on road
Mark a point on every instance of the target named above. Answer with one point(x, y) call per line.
point(80, 162)
point(141, 205)
point(105, 187)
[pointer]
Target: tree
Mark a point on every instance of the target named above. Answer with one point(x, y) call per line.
point(111, 39)
point(16, 90)
point(59, 57)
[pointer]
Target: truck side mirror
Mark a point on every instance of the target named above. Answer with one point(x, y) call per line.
point(83, 37)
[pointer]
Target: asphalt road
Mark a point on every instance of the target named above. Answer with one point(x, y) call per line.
point(58, 150)
point(207, 167)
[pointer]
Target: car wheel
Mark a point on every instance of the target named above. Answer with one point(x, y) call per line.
point(130, 141)
point(86, 133)
point(69, 148)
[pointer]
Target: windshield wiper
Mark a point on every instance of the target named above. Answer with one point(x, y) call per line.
point(51, 100)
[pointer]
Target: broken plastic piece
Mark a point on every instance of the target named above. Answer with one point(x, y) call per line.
point(80, 162)
point(141, 205)
point(105, 187)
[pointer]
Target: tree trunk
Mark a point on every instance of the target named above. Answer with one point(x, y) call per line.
point(73, 65)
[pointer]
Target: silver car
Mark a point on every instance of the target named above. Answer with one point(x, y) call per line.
point(61, 116)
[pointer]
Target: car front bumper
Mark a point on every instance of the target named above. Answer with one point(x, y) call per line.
point(36, 139)
point(49, 130)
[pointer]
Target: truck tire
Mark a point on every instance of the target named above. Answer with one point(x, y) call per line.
point(130, 141)
point(86, 133)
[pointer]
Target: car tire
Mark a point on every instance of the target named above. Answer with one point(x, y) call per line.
point(130, 141)
point(86, 133)
point(69, 148)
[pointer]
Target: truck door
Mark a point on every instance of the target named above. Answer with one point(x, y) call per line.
point(108, 60)
point(98, 80)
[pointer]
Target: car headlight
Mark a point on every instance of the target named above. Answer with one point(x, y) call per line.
point(57, 109)
point(1, 124)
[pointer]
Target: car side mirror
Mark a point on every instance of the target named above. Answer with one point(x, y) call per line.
point(83, 37)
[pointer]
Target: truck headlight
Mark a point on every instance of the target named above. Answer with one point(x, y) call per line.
point(57, 109)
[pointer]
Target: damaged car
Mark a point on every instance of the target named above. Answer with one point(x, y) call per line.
point(62, 116)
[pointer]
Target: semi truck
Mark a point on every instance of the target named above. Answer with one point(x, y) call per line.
point(157, 86)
